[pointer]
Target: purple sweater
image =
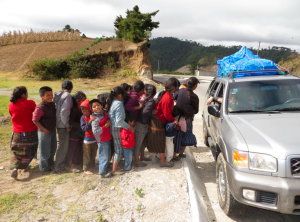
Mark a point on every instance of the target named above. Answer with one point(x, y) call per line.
point(133, 102)
point(146, 112)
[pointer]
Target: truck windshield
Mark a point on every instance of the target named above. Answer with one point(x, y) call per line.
point(261, 96)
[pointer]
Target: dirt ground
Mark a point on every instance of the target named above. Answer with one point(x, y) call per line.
point(15, 57)
point(78, 197)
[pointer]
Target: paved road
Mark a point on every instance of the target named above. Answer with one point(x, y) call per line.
point(205, 169)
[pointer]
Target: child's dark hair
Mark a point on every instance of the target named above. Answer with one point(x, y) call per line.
point(44, 89)
point(169, 86)
point(94, 101)
point(150, 92)
point(176, 111)
point(17, 93)
point(187, 111)
point(113, 93)
point(126, 87)
point(138, 86)
point(79, 95)
point(191, 82)
point(129, 117)
point(103, 99)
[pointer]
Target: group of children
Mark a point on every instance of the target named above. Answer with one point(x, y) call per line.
point(115, 123)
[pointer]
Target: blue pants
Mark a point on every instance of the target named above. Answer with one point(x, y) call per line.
point(47, 149)
point(104, 156)
point(128, 158)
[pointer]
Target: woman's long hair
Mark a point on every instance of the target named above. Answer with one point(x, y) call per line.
point(103, 99)
point(114, 93)
point(150, 92)
point(169, 86)
point(17, 93)
point(190, 84)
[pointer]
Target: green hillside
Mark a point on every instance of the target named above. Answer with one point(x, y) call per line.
point(174, 53)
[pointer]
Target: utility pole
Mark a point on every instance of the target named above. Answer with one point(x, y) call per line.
point(158, 67)
point(258, 48)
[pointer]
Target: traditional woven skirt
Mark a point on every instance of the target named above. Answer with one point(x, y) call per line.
point(140, 134)
point(156, 137)
point(75, 155)
point(23, 149)
point(188, 138)
point(177, 141)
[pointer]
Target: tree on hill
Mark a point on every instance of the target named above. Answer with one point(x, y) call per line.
point(83, 35)
point(68, 28)
point(192, 66)
point(137, 26)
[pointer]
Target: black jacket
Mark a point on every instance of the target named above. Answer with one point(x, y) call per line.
point(182, 99)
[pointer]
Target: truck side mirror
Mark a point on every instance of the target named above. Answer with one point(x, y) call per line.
point(213, 110)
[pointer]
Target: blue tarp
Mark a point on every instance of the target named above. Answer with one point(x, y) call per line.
point(244, 60)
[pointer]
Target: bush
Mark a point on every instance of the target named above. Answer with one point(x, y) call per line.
point(77, 65)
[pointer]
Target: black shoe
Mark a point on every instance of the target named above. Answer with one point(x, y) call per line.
point(175, 159)
point(46, 171)
point(106, 175)
point(182, 156)
point(14, 174)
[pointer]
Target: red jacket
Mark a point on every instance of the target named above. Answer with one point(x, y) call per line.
point(21, 115)
point(164, 108)
point(105, 135)
point(88, 133)
point(127, 138)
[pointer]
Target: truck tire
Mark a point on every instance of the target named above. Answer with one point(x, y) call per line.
point(229, 205)
point(205, 135)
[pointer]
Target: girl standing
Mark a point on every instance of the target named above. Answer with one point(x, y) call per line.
point(186, 96)
point(142, 124)
point(116, 112)
point(24, 140)
point(75, 155)
point(156, 134)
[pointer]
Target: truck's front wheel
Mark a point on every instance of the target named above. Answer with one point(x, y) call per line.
point(227, 202)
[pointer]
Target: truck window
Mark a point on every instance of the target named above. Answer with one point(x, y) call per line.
point(214, 88)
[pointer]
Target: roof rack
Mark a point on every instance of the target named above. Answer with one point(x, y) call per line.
point(283, 72)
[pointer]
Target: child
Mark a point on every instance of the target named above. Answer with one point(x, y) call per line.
point(183, 136)
point(142, 124)
point(116, 112)
point(143, 97)
point(64, 103)
point(103, 99)
point(171, 130)
point(127, 139)
point(89, 144)
point(44, 117)
point(133, 105)
point(101, 130)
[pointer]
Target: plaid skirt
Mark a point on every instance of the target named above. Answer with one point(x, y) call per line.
point(118, 148)
point(23, 149)
point(140, 134)
point(156, 136)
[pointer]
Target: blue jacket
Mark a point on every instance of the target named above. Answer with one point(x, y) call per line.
point(117, 114)
point(170, 130)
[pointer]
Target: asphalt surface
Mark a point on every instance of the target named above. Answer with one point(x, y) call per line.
point(203, 175)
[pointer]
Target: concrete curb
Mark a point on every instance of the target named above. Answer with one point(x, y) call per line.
point(196, 191)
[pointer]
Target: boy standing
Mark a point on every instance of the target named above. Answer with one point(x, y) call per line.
point(89, 144)
point(44, 117)
point(127, 139)
point(64, 103)
point(101, 130)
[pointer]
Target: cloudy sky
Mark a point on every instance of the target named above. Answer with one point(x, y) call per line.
point(210, 22)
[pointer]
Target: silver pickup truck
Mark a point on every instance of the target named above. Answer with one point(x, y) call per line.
point(254, 135)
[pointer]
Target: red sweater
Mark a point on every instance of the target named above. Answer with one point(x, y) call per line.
point(127, 138)
point(21, 115)
point(164, 108)
point(105, 135)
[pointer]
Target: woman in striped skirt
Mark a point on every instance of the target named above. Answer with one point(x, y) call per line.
point(24, 141)
point(156, 139)
point(116, 112)
point(142, 124)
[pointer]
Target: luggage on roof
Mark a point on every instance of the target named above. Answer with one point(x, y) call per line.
point(244, 60)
